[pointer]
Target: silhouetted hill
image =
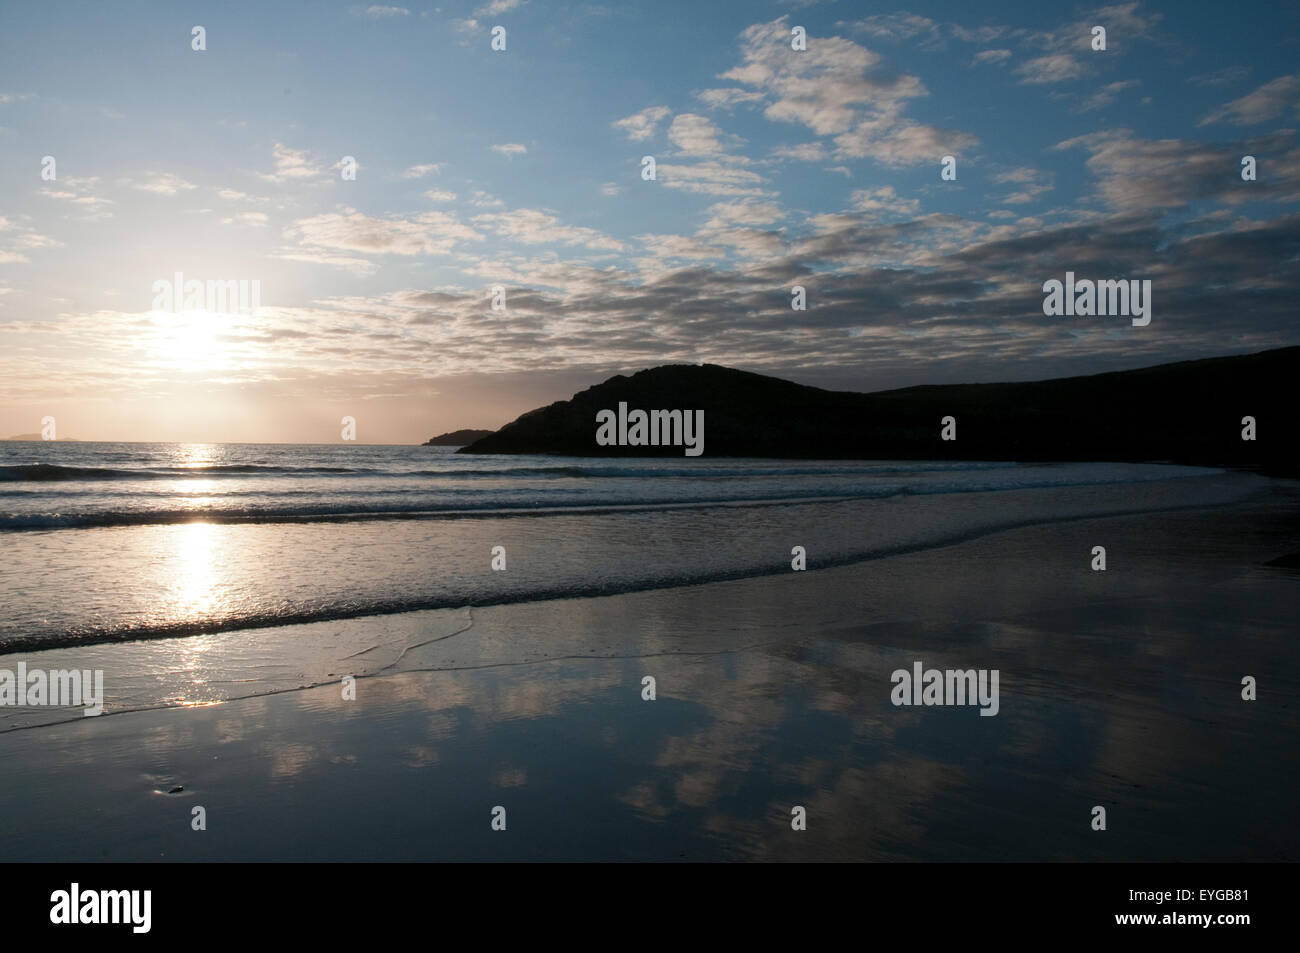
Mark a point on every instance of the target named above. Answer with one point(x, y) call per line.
point(1188, 412)
point(457, 438)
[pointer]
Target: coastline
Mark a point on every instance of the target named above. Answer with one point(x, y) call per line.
point(226, 576)
point(1119, 688)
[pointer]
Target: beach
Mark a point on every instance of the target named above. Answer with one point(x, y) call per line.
point(1119, 688)
point(581, 433)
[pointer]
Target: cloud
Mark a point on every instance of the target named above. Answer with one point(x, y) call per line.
point(162, 183)
point(1028, 194)
point(420, 171)
point(965, 294)
point(1106, 95)
point(901, 26)
point(380, 12)
point(682, 247)
point(727, 97)
point(695, 135)
point(901, 142)
point(1053, 68)
point(431, 233)
point(743, 212)
point(933, 36)
point(803, 152)
point(254, 219)
point(1032, 181)
point(234, 195)
point(535, 227)
point(839, 88)
point(991, 56)
point(895, 284)
point(897, 303)
point(1137, 173)
point(291, 165)
point(1269, 101)
point(27, 241)
point(714, 177)
point(1020, 174)
point(1069, 48)
point(824, 88)
point(80, 192)
point(497, 7)
point(640, 126)
point(883, 200)
point(480, 199)
point(979, 34)
point(511, 149)
point(361, 266)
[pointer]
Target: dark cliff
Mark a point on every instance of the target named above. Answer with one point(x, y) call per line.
point(1188, 412)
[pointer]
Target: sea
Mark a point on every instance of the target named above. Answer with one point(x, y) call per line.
point(112, 542)
point(358, 652)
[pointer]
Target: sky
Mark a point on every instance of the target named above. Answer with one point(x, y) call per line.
point(523, 168)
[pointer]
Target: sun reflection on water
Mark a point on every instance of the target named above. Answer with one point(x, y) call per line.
point(194, 583)
point(196, 592)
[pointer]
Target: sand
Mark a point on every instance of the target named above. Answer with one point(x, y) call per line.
point(1120, 689)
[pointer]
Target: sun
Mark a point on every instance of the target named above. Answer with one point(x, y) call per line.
point(188, 341)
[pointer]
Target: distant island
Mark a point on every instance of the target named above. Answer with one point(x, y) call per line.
point(1189, 412)
point(35, 437)
point(457, 438)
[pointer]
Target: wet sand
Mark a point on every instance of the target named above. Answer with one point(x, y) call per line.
point(1119, 688)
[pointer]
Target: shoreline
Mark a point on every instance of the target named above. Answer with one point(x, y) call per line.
point(434, 570)
point(1115, 686)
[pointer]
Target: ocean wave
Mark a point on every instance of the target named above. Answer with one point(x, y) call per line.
point(666, 576)
point(350, 512)
point(44, 472)
point(48, 472)
point(848, 468)
point(52, 472)
point(487, 503)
